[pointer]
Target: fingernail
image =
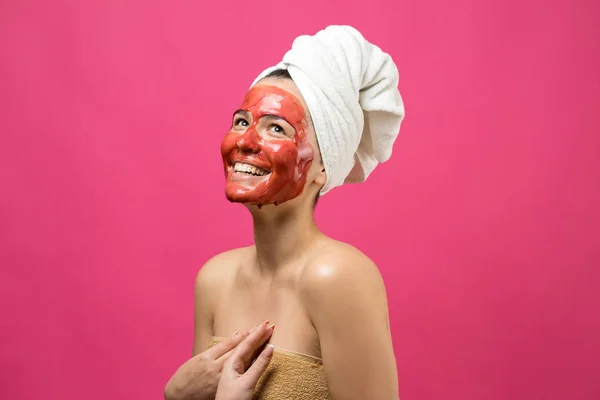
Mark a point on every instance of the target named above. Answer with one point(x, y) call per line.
point(266, 322)
point(272, 326)
point(234, 333)
point(269, 350)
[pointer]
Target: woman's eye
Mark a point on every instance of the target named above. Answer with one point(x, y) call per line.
point(277, 128)
point(240, 122)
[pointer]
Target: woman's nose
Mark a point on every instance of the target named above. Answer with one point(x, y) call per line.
point(249, 141)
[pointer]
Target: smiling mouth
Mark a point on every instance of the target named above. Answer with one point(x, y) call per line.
point(248, 169)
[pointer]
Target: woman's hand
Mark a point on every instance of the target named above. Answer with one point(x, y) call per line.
point(198, 378)
point(240, 375)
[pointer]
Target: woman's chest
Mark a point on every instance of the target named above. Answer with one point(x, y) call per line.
point(242, 308)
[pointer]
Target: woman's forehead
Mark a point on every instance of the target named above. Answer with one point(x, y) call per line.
point(285, 84)
point(269, 98)
point(288, 86)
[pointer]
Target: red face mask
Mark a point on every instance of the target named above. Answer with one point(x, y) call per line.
point(266, 153)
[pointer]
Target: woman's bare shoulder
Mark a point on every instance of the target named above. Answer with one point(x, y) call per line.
point(221, 266)
point(338, 267)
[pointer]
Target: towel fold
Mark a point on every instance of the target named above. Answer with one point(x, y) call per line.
point(351, 89)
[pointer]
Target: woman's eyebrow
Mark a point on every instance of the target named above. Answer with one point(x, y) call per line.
point(274, 117)
point(243, 112)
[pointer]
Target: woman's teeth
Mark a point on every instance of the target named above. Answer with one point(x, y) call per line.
point(249, 169)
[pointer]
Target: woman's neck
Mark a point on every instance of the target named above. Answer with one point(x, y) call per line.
point(282, 237)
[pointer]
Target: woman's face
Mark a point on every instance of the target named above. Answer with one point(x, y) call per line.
point(267, 153)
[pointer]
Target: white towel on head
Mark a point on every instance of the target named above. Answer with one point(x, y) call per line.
point(351, 89)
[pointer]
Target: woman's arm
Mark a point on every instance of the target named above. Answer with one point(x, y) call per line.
point(346, 299)
point(203, 310)
point(198, 377)
point(210, 280)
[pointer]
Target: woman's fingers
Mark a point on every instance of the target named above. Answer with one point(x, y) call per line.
point(226, 345)
point(259, 346)
point(259, 366)
point(257, 338)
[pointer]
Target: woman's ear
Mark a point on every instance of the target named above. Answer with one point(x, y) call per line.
point(321, 177)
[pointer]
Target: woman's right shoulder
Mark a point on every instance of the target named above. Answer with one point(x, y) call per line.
point(221, 266)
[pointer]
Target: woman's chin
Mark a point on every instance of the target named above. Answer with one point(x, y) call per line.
point(242, 195)
point(256, 196)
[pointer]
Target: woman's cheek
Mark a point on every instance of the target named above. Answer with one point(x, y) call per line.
point(228, 144)
point(284, 157)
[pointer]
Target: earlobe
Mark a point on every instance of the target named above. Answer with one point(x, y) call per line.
point(321, 178)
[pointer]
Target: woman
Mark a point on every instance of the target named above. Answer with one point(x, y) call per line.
point(301, 130)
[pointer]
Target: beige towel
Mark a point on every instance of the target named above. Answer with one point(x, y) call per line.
point(291, 376)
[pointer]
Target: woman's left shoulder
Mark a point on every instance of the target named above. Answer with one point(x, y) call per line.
point(339, 267)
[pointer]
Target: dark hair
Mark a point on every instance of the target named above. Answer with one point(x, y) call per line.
point(279, 73)
point(285, 74)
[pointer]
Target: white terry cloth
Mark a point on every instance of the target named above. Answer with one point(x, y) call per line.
point(351, 89)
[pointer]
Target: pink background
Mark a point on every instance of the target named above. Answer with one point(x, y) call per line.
point(484, 222)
